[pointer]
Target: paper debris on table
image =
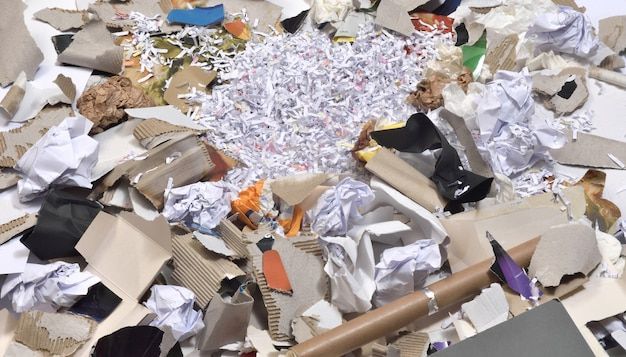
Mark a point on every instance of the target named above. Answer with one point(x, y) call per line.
point(136, 340)
point(15, 142)
point(59, 334)
point(564, 92)
point(18, 50)
point(13, 257)
point(611, 32)
point(591, 151)
point(46, 287)
point(12, 99)
point(564, 250)
point(63, 19)
point(93, 47)
point(173, 164)
point(104, 103)
point(487, 309)
point(394, 15)
point(16, 226)
point(201, 205)
point(61, 222)
point(198, 16)
point(413, 344)
point(64, 155)
point(173, 306)
point(226, 320)
point(404, 269)
point(200, 270)
point(143, 247)
point(188, 79)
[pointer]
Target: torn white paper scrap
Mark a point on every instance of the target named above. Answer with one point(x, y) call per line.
point(291, 8)
point(173, 306)
point(116, 145)
point(18, 50)
point(487, 309)
point(13, 257)
point(564, 250)
point(46, 287)
point(65, 155)
point(35, 98)
point(612, 265)
point(200, 205)
point(214, 244)
point(393, 15)
point(327, 315)
point(402, 270)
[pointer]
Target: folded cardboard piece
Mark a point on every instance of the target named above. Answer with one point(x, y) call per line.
point(199, 269)
point(564, 92)
point(546, 330)
point(185, 161)
point(404, 178)
point(295, 189)
point(58, 334)
point(18, 50)
point(512, 223)
point(592, 151)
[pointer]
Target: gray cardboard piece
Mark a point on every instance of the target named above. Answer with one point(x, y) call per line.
point(226, 321)
point(18, 50)
point(611, 32)
point(591, 151)
point(62, 19)
point(546, 330)
point(392, 14)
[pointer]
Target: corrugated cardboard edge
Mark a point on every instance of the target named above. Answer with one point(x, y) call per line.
point(67, 86)
point(14, 227)
point(150, 128)
point(200, 270)
point(15, 142)
point(378, 350)
point(11, 101)
point(8, 179)
point(233, 237)
point(503, 55)
point(414, 344)
point(30, 333)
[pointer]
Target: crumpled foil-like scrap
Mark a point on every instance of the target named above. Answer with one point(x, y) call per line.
point(104, 103)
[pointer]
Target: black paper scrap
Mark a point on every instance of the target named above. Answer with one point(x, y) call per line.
point(568, 89)
point(453, 182)
point(265, 243)
point(61, 42)
point(98, 304)
point(134, 341)
point(462, 36)
point(293, 24)
point(62, 220)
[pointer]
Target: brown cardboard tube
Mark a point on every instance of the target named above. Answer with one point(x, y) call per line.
point(382, 321)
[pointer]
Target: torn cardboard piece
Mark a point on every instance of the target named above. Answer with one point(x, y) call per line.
point(233, 237)
point(185, 161)
point(93, 47)
point(186, 80)
point(488, 309)
point(153, 132)
point(36, 98)
point(11, 101)
point(502, 56)
point(414, 344)
point(393, 15)
point(612, 32)
point(306, 274)
point(564, 92)
point(403, 177)
point(59, 334)
point(63, 19)
point(18, 50)
point(564, 250)
point(200, 270)
point(16, 226)
point(8, 179)
point(226, 320)
point(14, 143)
point(591, 151)
point(512, 222)
point(295, 189)
point(126, 251)
point(104, 103)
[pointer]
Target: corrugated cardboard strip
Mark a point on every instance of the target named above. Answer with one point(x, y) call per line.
point(58, 333)
point(414, 344)
point(153, 132)
point(233, 237)
point(15, 142)
point(306, 274)
point(404, 178)
point(503, 56)
point(14, 227)
point(190, 163)
point(200, 270)
point(11, 101)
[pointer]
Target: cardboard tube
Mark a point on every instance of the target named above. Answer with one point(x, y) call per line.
point(607, 76)
point(393, 316)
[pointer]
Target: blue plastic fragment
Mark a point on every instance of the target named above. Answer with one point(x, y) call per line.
point(199, 16)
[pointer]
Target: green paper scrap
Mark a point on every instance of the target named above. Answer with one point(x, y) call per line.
point(474, 55)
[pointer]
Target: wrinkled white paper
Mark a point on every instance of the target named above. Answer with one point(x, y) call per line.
point(174, 308)
point(35, 98)
point(567, 31)
point(330, 10)
point(612, 264)
point(338, 208)
point(65, 155)
point(47, 287)
point(487, 309)
point(13, 257)
point(402, 270)
point(350, 267)
point(200, 205)
point(511, 133)
point(327, 315)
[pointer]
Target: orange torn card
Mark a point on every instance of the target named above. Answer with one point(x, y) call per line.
point(238, 29)
point(275, 273)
